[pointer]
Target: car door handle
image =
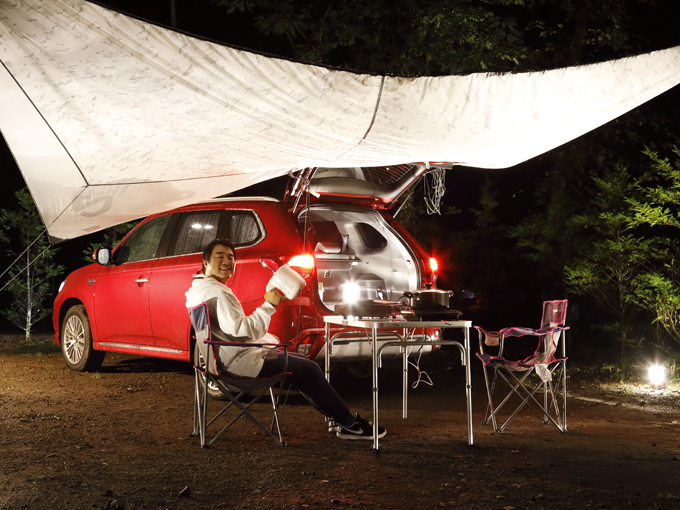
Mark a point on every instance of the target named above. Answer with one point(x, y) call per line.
point(141, 280)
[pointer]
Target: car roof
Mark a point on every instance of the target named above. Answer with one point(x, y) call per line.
point(238, 199)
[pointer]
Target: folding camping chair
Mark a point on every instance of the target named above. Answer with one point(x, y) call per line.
point(233, 388)
point(541, 370)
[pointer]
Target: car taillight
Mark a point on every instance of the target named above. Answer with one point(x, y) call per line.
point(303, 264)
point(433, 273)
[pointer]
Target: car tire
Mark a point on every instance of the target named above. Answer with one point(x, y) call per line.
point(76, 342)
point(214, 391)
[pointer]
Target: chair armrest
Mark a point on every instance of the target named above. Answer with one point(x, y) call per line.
point(491, 339)
point(517, 332)
point(248, 344)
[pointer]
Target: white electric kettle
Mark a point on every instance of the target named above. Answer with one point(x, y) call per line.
point(287, 281)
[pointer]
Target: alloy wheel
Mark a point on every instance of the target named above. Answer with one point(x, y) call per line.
point(74, 339)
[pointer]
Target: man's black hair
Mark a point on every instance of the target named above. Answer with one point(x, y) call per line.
point(207, 251)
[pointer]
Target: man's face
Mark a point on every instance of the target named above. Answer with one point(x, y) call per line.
point(221, 264)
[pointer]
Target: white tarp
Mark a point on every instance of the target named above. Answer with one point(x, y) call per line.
point(110, 118)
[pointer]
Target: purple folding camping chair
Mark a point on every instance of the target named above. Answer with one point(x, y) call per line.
point(524, 377)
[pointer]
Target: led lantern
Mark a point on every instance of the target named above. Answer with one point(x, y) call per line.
point(657, 376)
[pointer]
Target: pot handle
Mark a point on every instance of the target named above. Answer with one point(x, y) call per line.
point(407, 294)
point(450, 293)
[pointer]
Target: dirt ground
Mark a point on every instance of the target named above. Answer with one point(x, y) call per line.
point(121, 438)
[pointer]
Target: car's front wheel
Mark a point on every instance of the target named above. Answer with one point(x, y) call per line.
point(213, 390)
point(76, 341)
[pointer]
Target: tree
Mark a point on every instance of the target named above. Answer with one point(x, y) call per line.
point(110, 238)
point(417, 37)
point(29, 282)
point(614, 256)
point(658, 206)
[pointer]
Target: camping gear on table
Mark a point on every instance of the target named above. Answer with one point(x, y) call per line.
point(428, 299)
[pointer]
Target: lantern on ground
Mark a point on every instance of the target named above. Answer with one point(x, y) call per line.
point(657, 376)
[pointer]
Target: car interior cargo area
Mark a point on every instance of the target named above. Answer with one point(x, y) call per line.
point(357, 255)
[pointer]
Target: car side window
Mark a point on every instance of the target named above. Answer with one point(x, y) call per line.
point(194, 230)
point(142, 243)
point(244, 229)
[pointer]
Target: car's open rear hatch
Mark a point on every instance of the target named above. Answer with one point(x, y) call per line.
point(357, 253)
point(376, 187)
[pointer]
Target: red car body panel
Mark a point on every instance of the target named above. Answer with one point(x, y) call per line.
point(121, 303)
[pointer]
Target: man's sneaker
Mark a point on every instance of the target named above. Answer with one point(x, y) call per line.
point(360, 429)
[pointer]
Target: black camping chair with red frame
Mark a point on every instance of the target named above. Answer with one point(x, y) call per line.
point(233, 388)
point(525, 377)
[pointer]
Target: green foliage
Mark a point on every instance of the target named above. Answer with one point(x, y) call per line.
point(547, 236)
point(607, 268)
point(433, 37)
point(111, 237)
point(430, 37)
point(37, 346)
point(659, 292)
point(660, 203)
point(29, 279)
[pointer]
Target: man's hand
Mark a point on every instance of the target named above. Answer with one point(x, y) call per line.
point(274, 297)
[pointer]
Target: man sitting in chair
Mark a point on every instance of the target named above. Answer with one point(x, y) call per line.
point(230, 323)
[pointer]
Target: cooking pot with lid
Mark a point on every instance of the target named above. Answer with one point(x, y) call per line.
point(428, 299)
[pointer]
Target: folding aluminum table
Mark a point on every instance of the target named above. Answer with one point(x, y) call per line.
point(407, 326)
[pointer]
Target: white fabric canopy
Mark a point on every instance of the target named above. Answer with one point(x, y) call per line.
point(110, 118)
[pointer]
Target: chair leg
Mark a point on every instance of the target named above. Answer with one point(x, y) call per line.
point(518, 383)
point(200, 407)
point(244, 411)
point(275, 419)
point(545, 411)
point(564, 395)
point(490, 412)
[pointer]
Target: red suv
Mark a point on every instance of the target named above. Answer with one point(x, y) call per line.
point(332, 226)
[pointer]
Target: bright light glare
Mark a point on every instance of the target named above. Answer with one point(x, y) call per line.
point(433, 264)
point(657, 375)
point(198, 225)
point(350, 292)
point(302, 261)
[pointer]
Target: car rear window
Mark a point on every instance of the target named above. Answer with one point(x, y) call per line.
point(244, 228)
point(142, 243)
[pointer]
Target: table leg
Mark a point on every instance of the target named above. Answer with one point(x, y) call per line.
point(468, 384)
point(374, 344)
point(331, 424)
point(404, 379)
point(328, 351)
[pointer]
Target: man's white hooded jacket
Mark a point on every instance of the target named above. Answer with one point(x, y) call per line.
point(229, 323)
